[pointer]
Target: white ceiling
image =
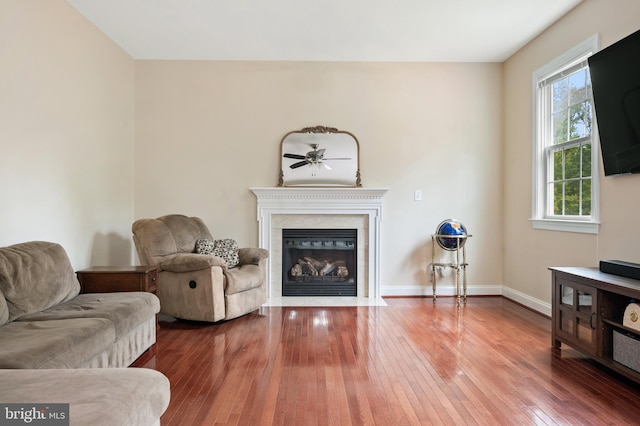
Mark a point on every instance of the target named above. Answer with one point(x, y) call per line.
point(323, 30)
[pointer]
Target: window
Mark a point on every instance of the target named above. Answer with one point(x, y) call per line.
point(565, 154)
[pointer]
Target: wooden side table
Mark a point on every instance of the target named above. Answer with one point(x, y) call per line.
point(107, 279)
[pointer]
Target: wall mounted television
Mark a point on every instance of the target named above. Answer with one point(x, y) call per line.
point(615, 82)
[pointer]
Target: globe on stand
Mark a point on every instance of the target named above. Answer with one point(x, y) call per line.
point(455, 229)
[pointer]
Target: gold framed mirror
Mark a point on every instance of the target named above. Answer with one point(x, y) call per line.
point(319, 156)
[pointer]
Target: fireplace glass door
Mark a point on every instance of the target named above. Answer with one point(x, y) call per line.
point(319, 262)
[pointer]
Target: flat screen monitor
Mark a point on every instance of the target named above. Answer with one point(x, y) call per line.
point(615, 79)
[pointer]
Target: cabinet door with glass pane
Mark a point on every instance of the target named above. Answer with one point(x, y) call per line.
point(575, 316)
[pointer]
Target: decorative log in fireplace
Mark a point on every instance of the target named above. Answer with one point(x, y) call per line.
point(319, 262)
point(319, 268)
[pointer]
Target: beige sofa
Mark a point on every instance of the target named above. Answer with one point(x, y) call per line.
point(46, 323)
point(200, 286)
point(96, 396)
point(48, 328)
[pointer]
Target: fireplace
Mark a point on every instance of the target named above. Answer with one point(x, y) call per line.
point(319, 262)
point(322, 208)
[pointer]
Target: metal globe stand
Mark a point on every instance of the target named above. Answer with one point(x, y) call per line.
point(459, 265)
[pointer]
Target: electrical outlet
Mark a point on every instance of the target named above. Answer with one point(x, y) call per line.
point(417, 195)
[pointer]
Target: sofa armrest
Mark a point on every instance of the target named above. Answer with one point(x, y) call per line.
point(252, 256)
point(185, 262)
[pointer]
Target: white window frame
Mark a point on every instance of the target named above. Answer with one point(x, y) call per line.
point(539, 218)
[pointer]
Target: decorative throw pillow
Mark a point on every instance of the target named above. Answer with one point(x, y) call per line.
point(204, 246)
point(226, 249)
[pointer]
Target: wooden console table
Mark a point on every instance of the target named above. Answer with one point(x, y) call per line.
point(106, 279)
point(588, 308)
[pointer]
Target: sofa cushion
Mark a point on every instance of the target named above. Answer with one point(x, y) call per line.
point(4, 310)
point(97, 396)
point(125, 310)
point(252, 255)
point(35, 276)
point(243, 278)
point(166, 235)
point(64, 343)
point(188, 262)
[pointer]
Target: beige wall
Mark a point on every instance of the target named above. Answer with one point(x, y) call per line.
point(529, 252)
point(208, 131)
point(75, 107)
point(66, 133)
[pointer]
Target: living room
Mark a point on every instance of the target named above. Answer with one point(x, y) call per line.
point(97, 139)
point(94, 139)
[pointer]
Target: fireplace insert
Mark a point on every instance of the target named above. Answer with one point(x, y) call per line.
point(319, 262)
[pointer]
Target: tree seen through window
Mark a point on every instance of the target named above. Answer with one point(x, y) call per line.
point(570, 153)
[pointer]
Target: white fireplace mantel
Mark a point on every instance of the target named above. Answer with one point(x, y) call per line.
point(297, 202)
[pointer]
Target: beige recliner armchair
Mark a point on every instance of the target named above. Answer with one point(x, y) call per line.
point(199, 287)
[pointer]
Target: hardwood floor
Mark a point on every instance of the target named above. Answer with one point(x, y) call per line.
point(412, 362)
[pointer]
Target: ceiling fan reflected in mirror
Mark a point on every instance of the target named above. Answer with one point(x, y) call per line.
point(313, 158)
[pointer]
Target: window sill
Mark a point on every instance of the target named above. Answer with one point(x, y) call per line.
point(566, 225)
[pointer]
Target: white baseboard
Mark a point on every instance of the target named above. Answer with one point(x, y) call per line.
point(441, 290)
point(485, 290)
point(526, 300)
